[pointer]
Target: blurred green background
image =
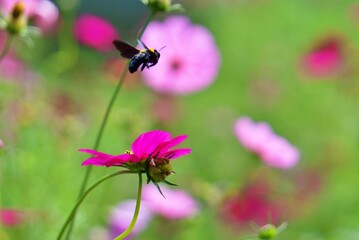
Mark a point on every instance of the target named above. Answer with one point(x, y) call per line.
point(45, 121)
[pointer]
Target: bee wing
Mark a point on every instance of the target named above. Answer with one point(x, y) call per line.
point(127, 50)
point(141, 43)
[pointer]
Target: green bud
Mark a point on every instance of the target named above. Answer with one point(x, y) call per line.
point(159, 169)
point(268, 231)
point(17, 20)
point(162, 5)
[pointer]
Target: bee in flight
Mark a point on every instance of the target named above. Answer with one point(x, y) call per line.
point(147, 57)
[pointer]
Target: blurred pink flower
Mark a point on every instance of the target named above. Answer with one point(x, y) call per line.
point(279, 153)
point(95, 32)
point(11, 217)
point(178, 204)
point(149, 145)
point(275, 151)
point(254, 203)
point(1, 144)
point(11, 67)
point(325, 59)
point(122, 215)
point(190, 61)
point(43, 13)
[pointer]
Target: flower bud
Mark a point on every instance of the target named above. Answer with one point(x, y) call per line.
point(159, 169)
point(17, 20)
point(267, 231)
point(18, 10)
point(162, 5)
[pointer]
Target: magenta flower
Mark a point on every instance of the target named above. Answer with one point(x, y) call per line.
point(43, 13)
point(150, 145)
point(151, 154)
point(121, 217)
point(325, 60)
point(190, 61)
point(95, 32)
point(178, 204)
point(275, 151)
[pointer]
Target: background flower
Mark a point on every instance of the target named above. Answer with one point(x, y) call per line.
point(325, 59)
point(177, 204)
point(95, 32)
point(275, 151)
point(252, 204)
point(190, 60)
point(43, 13)
point(122, 214)
point(11, 217)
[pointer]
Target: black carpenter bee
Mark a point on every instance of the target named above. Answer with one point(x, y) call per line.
point(147, 57)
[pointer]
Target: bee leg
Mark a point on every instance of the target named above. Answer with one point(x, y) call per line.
point(143, 66)
point(150, 65)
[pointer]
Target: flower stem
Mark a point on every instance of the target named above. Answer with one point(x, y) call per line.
point(104, 122)
point(7, 46)
point(80, 200)
point(137, 211)
point(98, 138)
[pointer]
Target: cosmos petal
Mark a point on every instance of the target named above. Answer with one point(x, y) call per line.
point(147, 142)
point(167, 145)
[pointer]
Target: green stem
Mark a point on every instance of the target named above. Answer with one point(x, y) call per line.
point(137, 211)
point(80, 200)
point(104, 121)
point(152, 14)
point(7, 46)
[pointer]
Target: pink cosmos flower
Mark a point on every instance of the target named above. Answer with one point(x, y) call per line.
point(190, 61)
point(275, 151)
point(178, 204)
point(43, 13)
point(121, 216)
point(95, 32)
point(325, 60)
point(155, 145)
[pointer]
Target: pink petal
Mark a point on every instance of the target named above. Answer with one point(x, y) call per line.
point(253, 136)
point(147, 142)
point(280, 153)
point(46, 15)
point(94, 161)
point(176, 153)
point(94, 152)
point(164, 147)
point(122, 158)
point(99, 158)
